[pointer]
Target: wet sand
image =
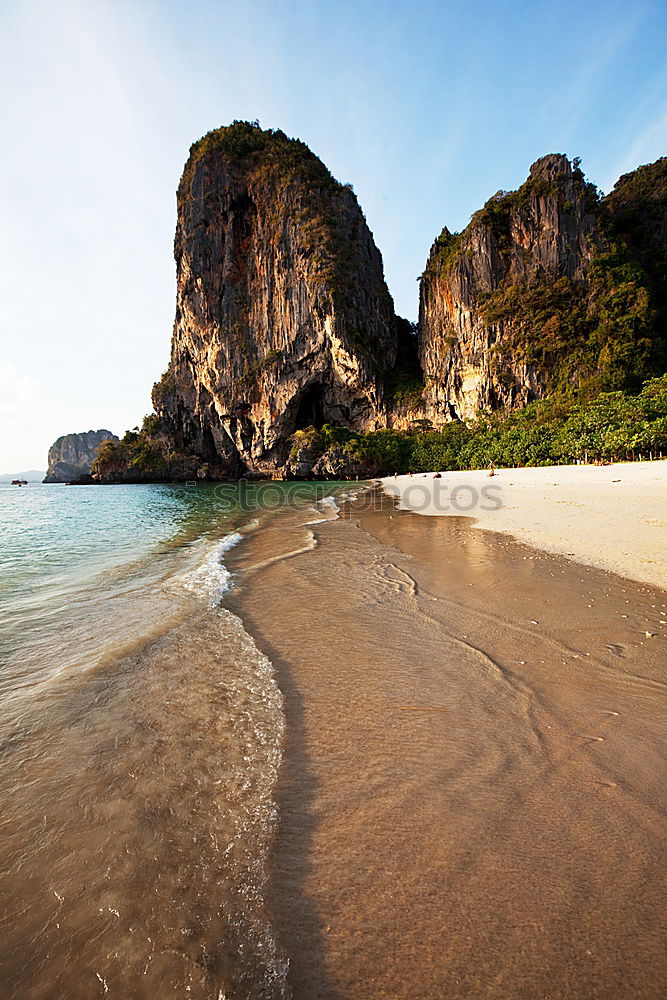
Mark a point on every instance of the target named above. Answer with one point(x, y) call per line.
point(472, 792)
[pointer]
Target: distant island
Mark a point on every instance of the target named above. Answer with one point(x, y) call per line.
point(542, 333)
point(72, 455)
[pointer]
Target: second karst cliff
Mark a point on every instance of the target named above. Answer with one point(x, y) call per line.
point(540, 293)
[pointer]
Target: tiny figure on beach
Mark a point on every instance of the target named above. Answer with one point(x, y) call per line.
point(437, 476)
point(492, 470)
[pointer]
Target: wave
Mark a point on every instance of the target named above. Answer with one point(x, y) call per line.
point(212, 579)
point(329, 506)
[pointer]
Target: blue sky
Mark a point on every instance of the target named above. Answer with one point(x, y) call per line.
point(426, 108)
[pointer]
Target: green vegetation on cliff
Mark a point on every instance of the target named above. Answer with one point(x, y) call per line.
point(145, 455)
point(638, 209)
point(443, 252)
point(562, 187)
point(595, 335)
point(263, 151)
point(614, 426)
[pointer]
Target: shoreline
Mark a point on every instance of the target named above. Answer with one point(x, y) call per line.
point(611, 517)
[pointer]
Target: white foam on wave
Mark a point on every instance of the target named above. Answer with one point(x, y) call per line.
point(330, 504)
point(257, 717)
point(329, 507)
point(212, 578)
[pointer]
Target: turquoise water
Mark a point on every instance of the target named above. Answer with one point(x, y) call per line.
point(140, 736)
point(79, 565)
point(82, 568)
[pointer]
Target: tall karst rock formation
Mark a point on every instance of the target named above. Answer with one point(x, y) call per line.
point(539, 293)
point(283, 317)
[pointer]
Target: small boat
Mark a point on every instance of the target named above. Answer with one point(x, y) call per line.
point(19, 482)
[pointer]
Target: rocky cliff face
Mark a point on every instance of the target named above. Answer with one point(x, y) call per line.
point(536, 294)
point(72, 455)
point(283, 317)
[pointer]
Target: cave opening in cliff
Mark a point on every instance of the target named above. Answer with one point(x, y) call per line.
point(310, 409)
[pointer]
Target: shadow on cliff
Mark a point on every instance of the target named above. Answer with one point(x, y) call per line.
point(296, 920)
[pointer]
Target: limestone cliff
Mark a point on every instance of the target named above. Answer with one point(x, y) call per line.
point(536, 294)
point(283, 317)
point(72, 455)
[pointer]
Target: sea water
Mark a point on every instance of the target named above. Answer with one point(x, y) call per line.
point(140, 737)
